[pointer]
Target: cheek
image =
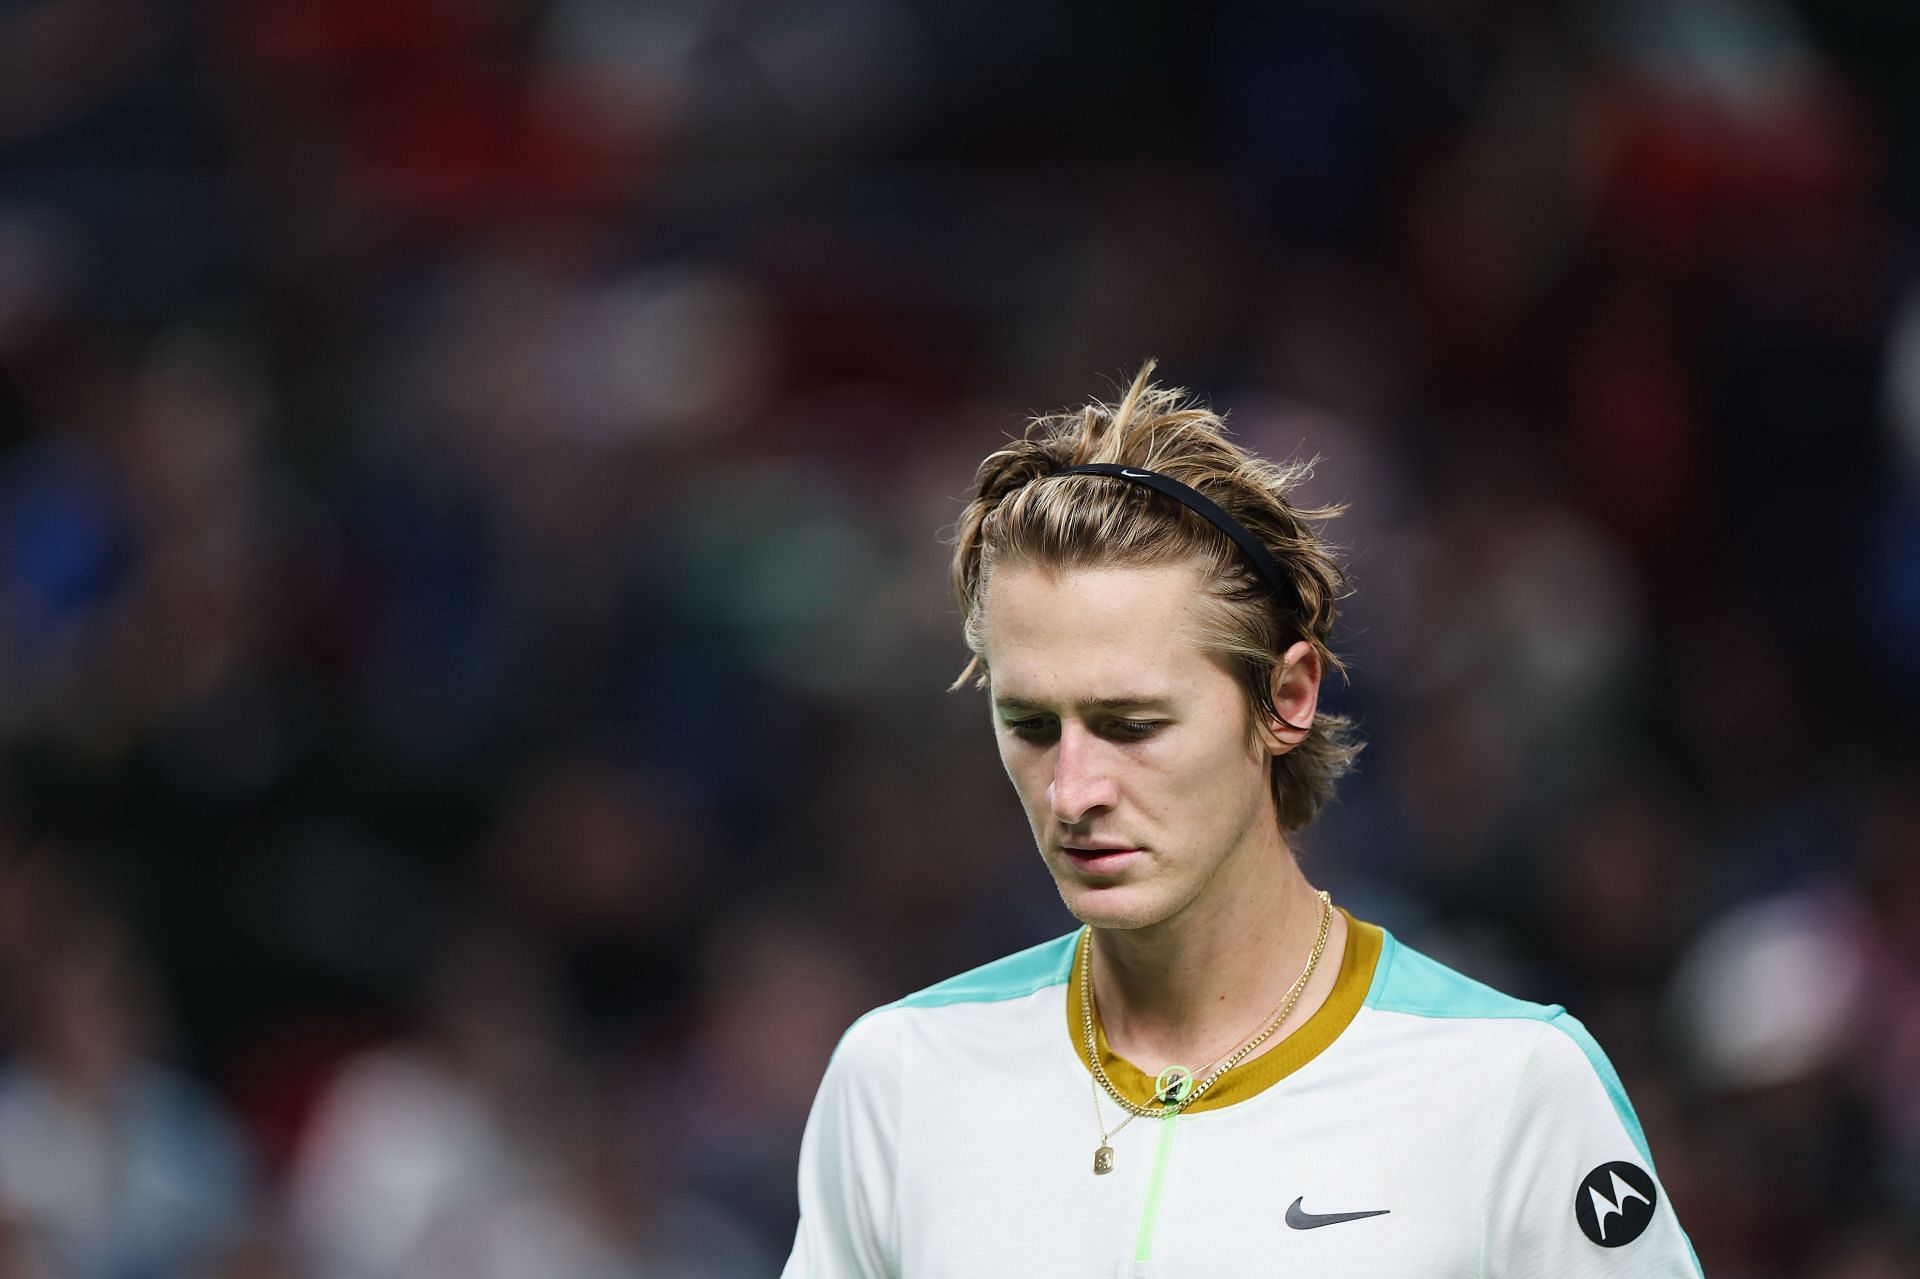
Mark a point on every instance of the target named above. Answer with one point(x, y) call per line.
point(1232, 767)
point(1027, 770)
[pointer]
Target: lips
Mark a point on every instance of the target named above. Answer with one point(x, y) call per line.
point(1100, 860)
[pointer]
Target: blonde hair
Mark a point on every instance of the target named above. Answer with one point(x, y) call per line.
point(1021, 512)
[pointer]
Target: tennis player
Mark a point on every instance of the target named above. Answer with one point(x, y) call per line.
point(1222, 1072)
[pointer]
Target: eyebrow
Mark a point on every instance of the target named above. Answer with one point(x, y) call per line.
point(1128, 701)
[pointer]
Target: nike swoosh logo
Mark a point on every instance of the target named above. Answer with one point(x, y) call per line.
point(1135, 475)
point(1314, 1220)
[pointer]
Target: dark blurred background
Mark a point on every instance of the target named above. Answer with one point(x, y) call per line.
point(473, 625)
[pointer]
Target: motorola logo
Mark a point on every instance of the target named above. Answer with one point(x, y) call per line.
point(1614, 1204)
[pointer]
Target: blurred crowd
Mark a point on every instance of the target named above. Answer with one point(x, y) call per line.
point(473, 626)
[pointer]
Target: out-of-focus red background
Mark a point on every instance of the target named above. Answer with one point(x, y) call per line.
point(473, 625)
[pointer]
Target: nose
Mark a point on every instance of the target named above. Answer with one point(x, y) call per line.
point(1082, 784)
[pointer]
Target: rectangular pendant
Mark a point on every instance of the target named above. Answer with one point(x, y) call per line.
point(1103, 1160)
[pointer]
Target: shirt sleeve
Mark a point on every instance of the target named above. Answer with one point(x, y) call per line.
point(848, 1161)
point(1574, 1192)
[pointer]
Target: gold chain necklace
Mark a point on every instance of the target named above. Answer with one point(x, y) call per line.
point(1175, 1084)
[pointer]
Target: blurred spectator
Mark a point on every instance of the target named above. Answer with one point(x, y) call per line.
point(477, 1150)
point(112, 1165)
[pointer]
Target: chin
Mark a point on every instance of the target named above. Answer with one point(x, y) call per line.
point(1127, 907)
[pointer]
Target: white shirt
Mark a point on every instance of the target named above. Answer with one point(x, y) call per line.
point(1418, 1124)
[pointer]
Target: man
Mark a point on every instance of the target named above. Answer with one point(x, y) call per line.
point(1221, 1073)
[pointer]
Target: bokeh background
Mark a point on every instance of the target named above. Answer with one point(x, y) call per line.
point(473, 625)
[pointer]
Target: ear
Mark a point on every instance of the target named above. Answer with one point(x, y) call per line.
point(1296, 695)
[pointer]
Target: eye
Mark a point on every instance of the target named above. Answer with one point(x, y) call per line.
point(1133, 729)
point(1037, 729)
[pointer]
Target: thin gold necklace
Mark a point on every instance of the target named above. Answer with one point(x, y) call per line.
point(1175, 1086)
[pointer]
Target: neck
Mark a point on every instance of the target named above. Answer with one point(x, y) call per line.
point(1202, 983)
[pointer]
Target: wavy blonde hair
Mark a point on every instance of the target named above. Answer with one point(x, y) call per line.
point(1021, 512)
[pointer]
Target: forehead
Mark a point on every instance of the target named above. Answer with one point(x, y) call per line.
point(1080, 634)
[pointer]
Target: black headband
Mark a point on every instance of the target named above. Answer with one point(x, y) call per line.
point(1202, 506)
